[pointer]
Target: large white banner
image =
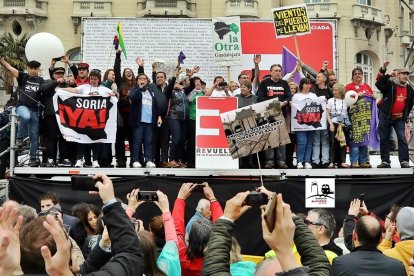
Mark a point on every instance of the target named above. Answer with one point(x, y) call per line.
point(227, 41)
point(86, 119)
point(308, 114)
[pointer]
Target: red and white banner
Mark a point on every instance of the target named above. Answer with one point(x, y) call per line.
point(86, 119)
point(212, 150)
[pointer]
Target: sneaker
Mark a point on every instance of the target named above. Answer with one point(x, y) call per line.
point(283, 166)
point(308, 166)
point(354, 165)
point(95, 164)
point(366, 165)
point(384, 165)
point(315, 165)
point(34, 163)
point(150, 165)
point(136, 165)
point(299, 165)
point(269, 165)
point(50, 163)
point(405, 165)
point(65, 163)
point(78, 164)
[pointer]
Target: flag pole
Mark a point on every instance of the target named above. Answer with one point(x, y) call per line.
point(228, 74)
point(296, 46)
point(109, 58)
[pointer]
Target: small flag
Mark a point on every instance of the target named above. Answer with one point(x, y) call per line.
point(289, 63)
point(116, 42)
point(181, 57)
point(120, 36)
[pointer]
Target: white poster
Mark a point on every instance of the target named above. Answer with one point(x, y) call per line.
point(227, 41)
point(86, 119)
point(320, 193)
point(308, 114)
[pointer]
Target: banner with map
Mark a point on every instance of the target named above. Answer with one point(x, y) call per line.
point(308, 114)
point(227, 41)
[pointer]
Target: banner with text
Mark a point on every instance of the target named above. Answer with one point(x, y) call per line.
point(308, 114)
point(291, 20)
point(227, 41)
point(255, 128)
point(86, 119)
point(212, 151)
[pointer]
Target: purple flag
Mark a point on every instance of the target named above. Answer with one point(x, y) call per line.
point(181, 57)
point(289, 63)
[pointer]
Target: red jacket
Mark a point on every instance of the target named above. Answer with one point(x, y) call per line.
point(190, 267)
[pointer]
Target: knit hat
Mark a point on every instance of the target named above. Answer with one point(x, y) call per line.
point(405, 223)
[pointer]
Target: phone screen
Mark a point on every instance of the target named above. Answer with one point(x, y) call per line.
point(147, 196)
point(83, 183)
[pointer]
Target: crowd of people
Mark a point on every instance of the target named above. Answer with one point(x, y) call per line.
point(157, 117)
point(113, 240)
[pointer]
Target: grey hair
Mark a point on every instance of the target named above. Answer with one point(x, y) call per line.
point(28, 213)
point(198, 238)
point(327, 219)
point(203, 204)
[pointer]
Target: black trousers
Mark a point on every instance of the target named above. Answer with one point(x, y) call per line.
point(161, 142)
point(122, 132)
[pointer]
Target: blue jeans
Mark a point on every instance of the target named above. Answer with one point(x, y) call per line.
point(384, 129)
point(320, 137)
point(29, 123)
point(142, 135)
point(304, 146)
point(178, 130)
point(358, 155)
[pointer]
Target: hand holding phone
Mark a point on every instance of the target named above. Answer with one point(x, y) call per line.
point(269, 215)
point(147, 196)
point(83, 183)
point(199, 187)
point(256, 199)
point(361, 199)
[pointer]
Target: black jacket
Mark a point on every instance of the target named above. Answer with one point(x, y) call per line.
point(48, 91)
point(367, 261)
point(136, 106)
point(387, 88)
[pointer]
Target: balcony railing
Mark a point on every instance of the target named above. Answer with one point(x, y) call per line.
point(242, 8)
point(165, 3)
point(166, 8)
point(323, 10)
point(368, 13)
point(91, 8)
point(14, 3)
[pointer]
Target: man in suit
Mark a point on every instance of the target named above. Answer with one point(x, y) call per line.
point(365, 258)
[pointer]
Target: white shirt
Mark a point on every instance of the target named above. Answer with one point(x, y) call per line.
point(87, 89)
point(337, 107)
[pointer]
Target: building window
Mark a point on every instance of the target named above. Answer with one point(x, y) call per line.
point(98, 6)
point(14, 3)
point(316, 1)
point(85, 5)
point(364, 2)
point(74, 55)
point(165, 3)
point(364, 61)
point(38, 4)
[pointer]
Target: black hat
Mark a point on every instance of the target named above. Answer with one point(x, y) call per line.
point(83, 65)
point(33, 64)
point(59, 70)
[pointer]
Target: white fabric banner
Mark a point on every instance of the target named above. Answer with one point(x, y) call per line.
point(86, 119)
point(308, 114)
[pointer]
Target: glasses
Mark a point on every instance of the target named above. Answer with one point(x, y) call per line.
point(308, 222)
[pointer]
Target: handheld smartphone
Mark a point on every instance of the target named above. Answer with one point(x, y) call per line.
point(256, 199)
point(361, 198)
point(83, 183)
point(223, 84)
point(270, 214)
point(147, 196)
point(57, 59)
point(199, 187)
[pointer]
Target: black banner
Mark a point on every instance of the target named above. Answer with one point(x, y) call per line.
point(380, 194)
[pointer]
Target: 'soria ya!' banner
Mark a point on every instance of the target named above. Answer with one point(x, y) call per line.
point(85, 119)
point(255, 128)
point(308, 114)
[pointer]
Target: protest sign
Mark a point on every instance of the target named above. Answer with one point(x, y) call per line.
point(227, 41)
point(211, 144)
point(85, 119)
point(168, 67)
point(308, 114)
point(255, 128)
point(291, 20)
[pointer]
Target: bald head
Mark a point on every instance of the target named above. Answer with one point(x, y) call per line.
point(268, 267)
point(10, 203)
point(368, 232)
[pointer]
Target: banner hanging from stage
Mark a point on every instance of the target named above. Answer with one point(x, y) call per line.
point(308, 114)
point(85, 119)
point(255, 128)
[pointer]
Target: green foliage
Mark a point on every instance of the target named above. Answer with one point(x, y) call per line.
point(13, 50)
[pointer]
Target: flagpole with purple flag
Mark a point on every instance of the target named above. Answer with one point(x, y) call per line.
point(289, 63)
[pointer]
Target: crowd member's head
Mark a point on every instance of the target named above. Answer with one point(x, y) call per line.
point(403, 74)
point(31, 261)
point(305, 85)
point(142, 80)
point(268, 267)
point(217, 80)
point(332, 79)
point(391, 217)
point(10, 203)
point(322, 224)
point(198, 238)
point(197, 83)
point(276, 72)
point(367, 232)
point(357, 75)
point(55, 211)
point(156, 227)
point(78, 210)
point(203, 207)
point(149, 249)
point(160, 78)
point(128, 76)
point(109, 75)
point(58, 73)
point(405, 224)
point(235, 251)
point(83, 70)
point(47, 200)
point(294, 88)
point(95, 77)
point(233, 86)
point(246, 88)
point(33, 68)
point(28, 213)
point(185, 81)
point(321, 79)
point(242, 78)
point(338, 90)
point(92, 223)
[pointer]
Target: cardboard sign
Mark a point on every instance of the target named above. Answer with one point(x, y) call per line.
point(211, 144)
point(227, 41)
point(255, 128)
point(291, 20)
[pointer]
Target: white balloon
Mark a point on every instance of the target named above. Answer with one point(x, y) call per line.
point(351, 97)
point(43, 47)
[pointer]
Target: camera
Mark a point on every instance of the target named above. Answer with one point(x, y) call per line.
point(57, 59)
point(83, 183)
point(147, 196)
point(199, 187)
point(256, 199)
point(223, 84)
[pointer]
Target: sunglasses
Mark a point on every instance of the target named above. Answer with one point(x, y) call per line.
point(308, 222)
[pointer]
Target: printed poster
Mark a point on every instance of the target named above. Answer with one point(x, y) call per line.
point(309, 114)
point(291, 20)
point(227, 41)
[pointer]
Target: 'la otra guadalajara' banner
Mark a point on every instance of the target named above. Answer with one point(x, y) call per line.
point(85, 119)
point(308, 114)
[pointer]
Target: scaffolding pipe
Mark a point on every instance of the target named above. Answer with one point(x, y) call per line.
point(13, 121)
